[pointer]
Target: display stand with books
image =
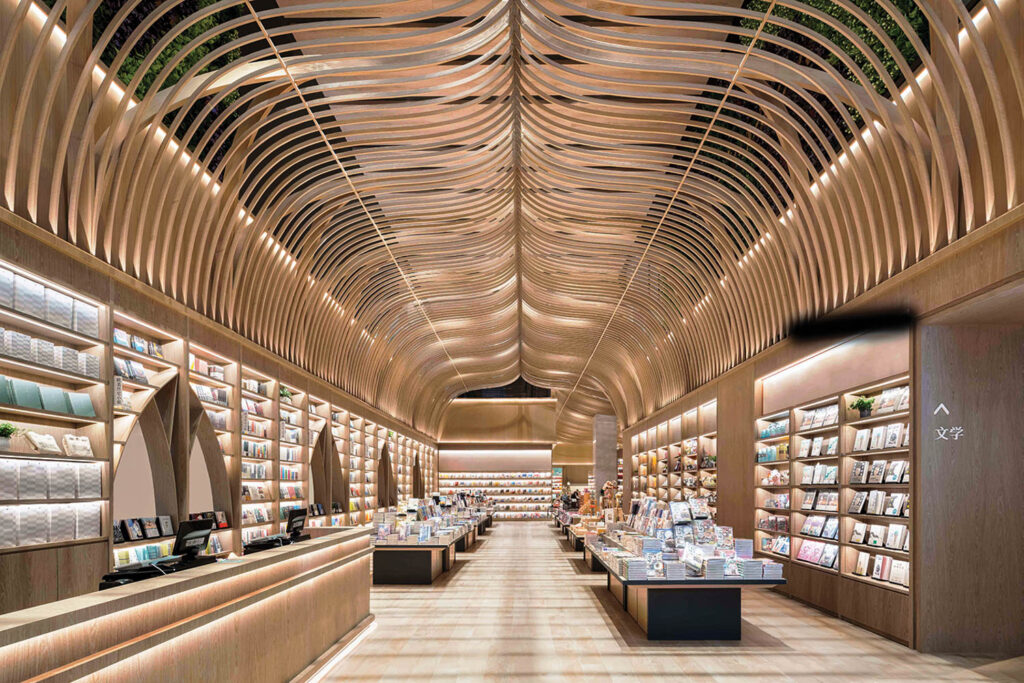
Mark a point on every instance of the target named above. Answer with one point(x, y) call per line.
point(515, 495)
point(833, 496)
point(677, 459)
point(54, 395)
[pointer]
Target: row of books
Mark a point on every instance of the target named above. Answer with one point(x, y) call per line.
point(895, 435)
point(775, 544)
point(22, 525)
point(291, 454)
point(219, 420)
point(770, 522)
point(826, 501)
point(23, 347)
point(35, 299)
point(825, 416)
point(883, 568)
point(131, 370)
point(821, 526)
point(255, 386)
point(31, 395)
point(139, 528)
point(38, 480)
point(819, 446)
point(211, 394)
point(819, 553)
point(880, 503)
point(137, 343)
point(254, 514)
point(254, 470)
point(255, 449)
point(893, 536)
point(820, 473)
point(291, 491)
point(154, 551)
point(255, 492)
point(256, 428)
point(779, 501)
point(880, 472)
point(290, 473)
point(253, 407)
point(204, 367)
point(290, 434)
point(896, 399)
point(74, 445)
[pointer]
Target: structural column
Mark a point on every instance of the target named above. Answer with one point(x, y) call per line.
point(606, 464)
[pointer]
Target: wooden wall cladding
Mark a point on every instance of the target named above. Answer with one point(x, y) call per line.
point(499, 421)
point(885, 612)
point(970, 512)
point(812, 587)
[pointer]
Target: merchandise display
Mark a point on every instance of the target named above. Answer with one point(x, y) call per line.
point(678, 458)
point(829, 479)
point(514, 495)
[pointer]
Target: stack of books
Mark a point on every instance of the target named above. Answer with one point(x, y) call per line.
point(675, 570)
point(752, 569)
point(633, 568)
point(714, 568)
point(771, 570)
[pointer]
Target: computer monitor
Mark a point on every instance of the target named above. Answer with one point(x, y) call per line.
point(193, 537)
point(295, 522)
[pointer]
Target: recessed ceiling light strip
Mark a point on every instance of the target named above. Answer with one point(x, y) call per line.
point(668, 206)
point(355, 192)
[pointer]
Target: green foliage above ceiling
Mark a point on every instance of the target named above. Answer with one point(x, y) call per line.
point(872, 8)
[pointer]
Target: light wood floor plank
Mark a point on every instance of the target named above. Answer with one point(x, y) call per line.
point(522, 606)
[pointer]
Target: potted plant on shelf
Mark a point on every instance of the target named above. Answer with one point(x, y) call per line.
point(286, 395)
point(7, 430)
point(863, 405)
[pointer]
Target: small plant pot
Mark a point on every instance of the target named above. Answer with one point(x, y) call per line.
point(286, 399)
point(865, 412)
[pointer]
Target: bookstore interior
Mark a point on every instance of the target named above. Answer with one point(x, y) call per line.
point(341, 340)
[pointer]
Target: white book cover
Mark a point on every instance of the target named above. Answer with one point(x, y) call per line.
point(88, 520)
point(893, 435)
point(877, 438)
point(6, 288)
point(32, 480)
point(861, 440)
point(9, 479)
point(62, 523)
point(59, 308)
point(8, 526)
point(90, 480)
point(62, 479)
point(86, 318)
point(903, 401)
point(29, 297)
point(831, 415)
point(33, 524)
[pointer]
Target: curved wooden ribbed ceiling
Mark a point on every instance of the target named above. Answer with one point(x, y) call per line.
point(617, 200)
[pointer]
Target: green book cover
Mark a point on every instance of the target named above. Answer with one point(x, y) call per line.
point(26, 394)
point(6, 396)
point(81, 404)
point(54, 399)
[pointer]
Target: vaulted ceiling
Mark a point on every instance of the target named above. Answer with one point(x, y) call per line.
point(413, 198)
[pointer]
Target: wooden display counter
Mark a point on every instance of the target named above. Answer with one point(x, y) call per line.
point(263, 617)
point(575, 540)
point(691, 609)
point(592, 560)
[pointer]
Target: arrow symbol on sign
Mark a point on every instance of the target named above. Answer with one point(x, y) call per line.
point(942, 407)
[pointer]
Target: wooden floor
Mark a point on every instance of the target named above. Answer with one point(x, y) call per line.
point(522, 606)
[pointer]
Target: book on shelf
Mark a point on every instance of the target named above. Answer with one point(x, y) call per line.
point(859, 472)
point(813, 525)
point(893, 435)
point(828, 501)
point(829, 555)
point(877, 472)
point(863, 564)
point(832, 445)
point(894, 504)
point(896, 536)
point(807, 475)
point(805, 448)
point(859, 533)
point(875, 502)
point(857, 503)
point(831, 528)
point(882, 567)
point(876, 535)
point(894, 471)
point(810, 551)
point(808, 501)
point(877, 438)
point(861, 440)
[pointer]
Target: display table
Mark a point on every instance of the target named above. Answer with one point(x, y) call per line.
point(412, 564)
point(575, 540)
point(297, 601)
point(690, 609)
point(593, 561)
point(467, 539)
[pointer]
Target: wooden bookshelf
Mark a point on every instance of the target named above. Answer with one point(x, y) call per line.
point(806, 453)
